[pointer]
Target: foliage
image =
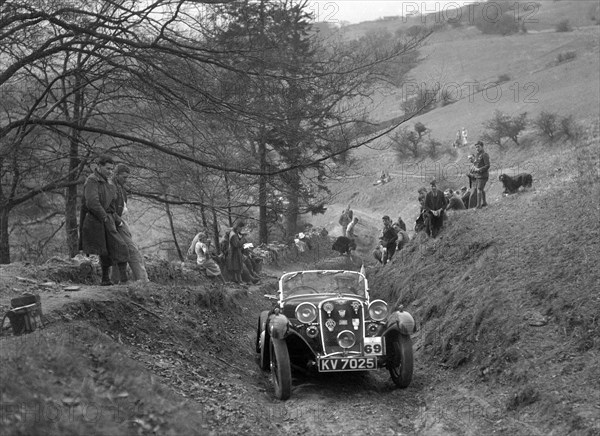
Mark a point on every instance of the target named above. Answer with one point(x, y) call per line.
point(569, 128)
point(208, 111)
point(423, 101)
point(504, 25)
point(565, 56)
point(415, 143)
point(564, 26)
point(504, 126)
point(502, 78)
point(547, 124)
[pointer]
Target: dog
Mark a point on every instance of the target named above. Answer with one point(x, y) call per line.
point(344, 245)
point(512, 184)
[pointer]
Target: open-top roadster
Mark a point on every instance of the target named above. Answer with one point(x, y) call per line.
point(324, 320)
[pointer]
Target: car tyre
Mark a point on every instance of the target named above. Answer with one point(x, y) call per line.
point(262, 326)
point(401, 362)
point(281, 370)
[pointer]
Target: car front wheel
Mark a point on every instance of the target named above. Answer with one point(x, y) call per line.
point(281, 370)
point(400, 364)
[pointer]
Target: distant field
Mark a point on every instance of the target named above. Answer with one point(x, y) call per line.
point(538, 16)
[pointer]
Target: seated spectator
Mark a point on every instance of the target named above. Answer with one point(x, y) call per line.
point(205, 256)
point(403, 237)
point(454, 201)
point(401, 223)
point(465, 193)
point(379, 252)
point(388, 240)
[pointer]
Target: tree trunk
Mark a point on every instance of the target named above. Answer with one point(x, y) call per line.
point(263, 230)
point(291, 215)
point(228, 197)
point(216, 230)
point(172, 225)
point(4, 247)
point(71, 226)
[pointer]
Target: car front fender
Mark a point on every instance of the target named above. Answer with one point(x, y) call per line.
point(402, 322)
point(279, 326)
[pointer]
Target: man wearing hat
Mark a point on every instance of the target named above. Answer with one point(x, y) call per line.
point(434, 205)
point(136, 261)
point(481, 166)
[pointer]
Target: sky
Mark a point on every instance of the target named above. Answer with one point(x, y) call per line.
point(355, 11)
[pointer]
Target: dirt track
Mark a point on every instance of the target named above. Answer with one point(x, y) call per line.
point(222, 382)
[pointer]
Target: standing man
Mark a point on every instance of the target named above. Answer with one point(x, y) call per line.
point(389, 237)
point(434, 205)
point(481, 173)
point(98, 221)
point(345, 219)
point(136, 261)
point(235, 259)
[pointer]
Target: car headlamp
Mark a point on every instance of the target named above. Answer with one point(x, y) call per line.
point(312, 331)
point(306, 313)
point(378, 310)
point(346, 339)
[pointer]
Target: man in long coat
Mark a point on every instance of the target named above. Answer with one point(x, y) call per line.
point(136, 260)
point(235, 259)
point(98, 221)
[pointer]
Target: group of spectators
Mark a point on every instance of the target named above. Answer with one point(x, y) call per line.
point(392, 238)
point(103, 231)
point(434, 204)
point(235, 256)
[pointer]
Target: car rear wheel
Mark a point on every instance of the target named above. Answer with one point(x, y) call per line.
point(400, 364)
point(281, 370)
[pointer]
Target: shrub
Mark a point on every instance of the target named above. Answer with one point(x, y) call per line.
point(547, 124)
point(406, 143)
point(569, 128)
point(504, 126)
point(433, 147)
point(564, 26)
point(423, 102)
point(504, 25)
point(565, 56)
point(420, 128)
point(412, 143)
point(502, 78)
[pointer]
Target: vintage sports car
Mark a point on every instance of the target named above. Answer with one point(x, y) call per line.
point(324, 320)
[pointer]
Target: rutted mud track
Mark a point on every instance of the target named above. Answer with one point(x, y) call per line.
point(216, 370)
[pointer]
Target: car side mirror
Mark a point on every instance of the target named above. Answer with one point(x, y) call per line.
point(271, 297)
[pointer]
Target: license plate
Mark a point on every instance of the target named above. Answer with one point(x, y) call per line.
point(347, 364)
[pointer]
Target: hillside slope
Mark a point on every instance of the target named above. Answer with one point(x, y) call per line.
point(509, 294)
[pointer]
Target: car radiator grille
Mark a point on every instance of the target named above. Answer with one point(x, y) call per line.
point(337, 315)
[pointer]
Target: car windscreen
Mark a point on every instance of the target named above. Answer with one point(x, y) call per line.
point(323, 282)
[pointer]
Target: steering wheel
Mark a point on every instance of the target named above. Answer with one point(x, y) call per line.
point(304, 290)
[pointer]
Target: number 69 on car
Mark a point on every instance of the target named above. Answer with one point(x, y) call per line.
point(324, 320)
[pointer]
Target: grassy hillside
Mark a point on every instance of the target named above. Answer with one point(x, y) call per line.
point(510, 293)
point(539, 16)
point(506, 297)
